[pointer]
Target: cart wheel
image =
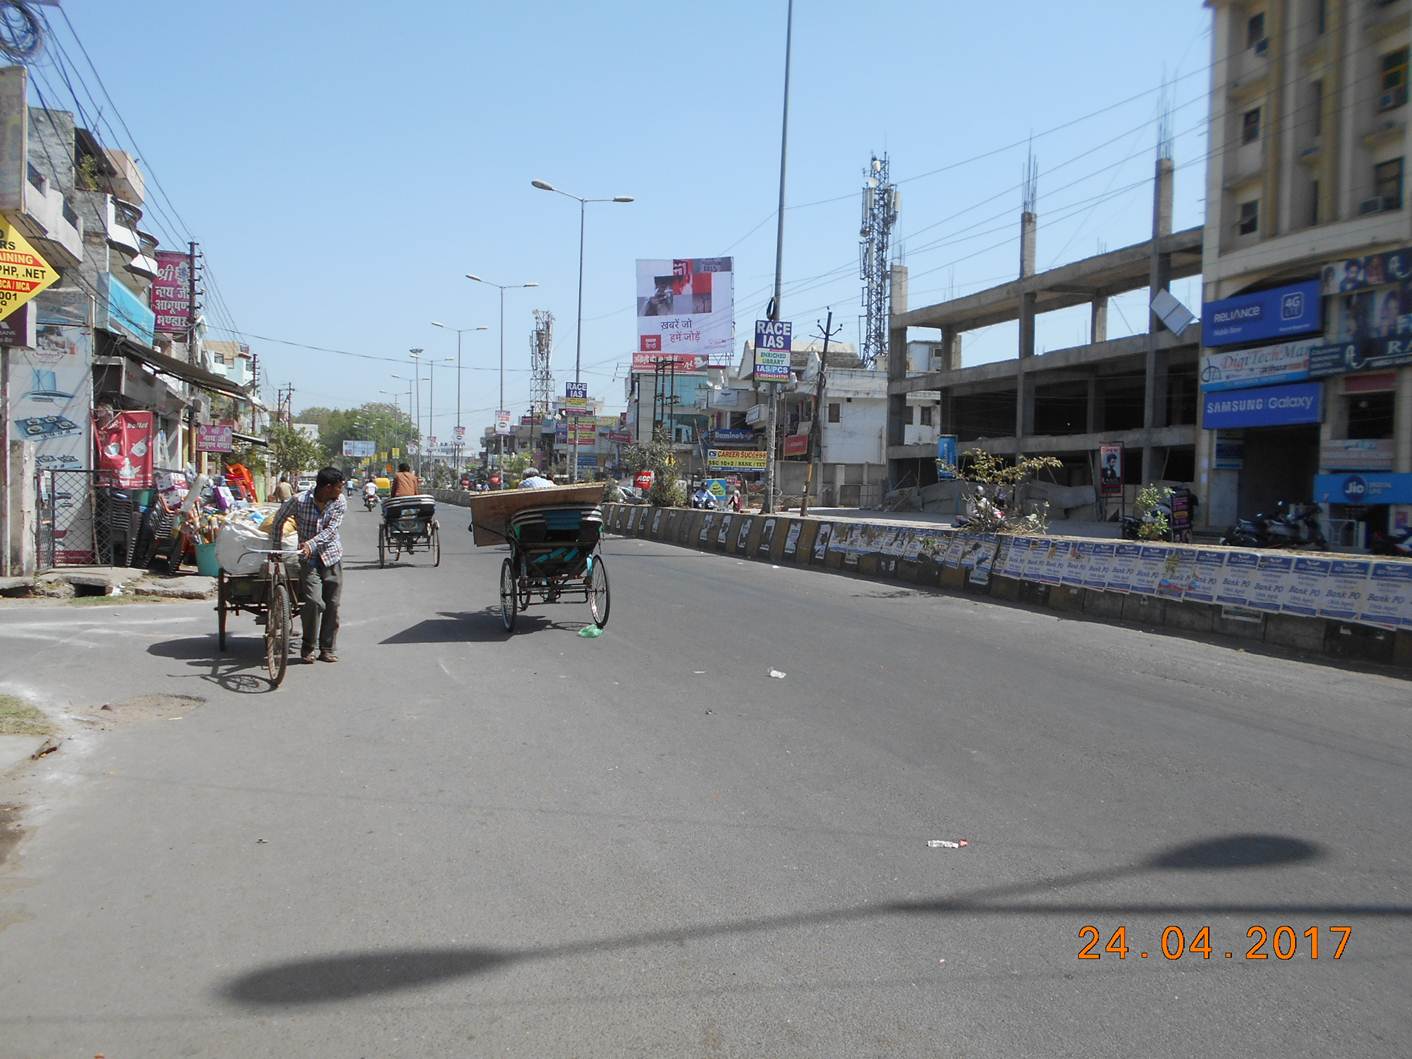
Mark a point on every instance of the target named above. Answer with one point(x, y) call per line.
point(509, 597)
point(436, 543)
point(221, 611)
point(382, 546)
point(598, 598)
point(277, 634)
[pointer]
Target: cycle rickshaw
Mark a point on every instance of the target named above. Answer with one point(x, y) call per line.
point(408, 525)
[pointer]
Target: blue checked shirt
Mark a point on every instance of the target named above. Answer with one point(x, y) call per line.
point(320, 528)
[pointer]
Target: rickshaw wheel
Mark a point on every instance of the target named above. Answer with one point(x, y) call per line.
point(436, 543)
point(382, 546)
point(221, 611)
point(522, 579)
point(598, 598)
point(509, 597)
point(277, 634)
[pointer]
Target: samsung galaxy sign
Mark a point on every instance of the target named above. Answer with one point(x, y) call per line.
point(1266, 314)
point(1269, 406)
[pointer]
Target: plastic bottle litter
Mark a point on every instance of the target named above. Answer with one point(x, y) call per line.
point(777, 674)
point(589, 632)
point(946, 843)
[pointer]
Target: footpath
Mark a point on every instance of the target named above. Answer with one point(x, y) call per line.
point(1346, 608)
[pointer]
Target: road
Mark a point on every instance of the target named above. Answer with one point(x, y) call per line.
point(457, 843)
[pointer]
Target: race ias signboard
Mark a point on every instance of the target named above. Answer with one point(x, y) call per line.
point(23, 273)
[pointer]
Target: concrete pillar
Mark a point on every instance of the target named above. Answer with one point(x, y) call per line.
point(1093, 422)
point(1029, 226)
point(19, 548)
point(1154, 397)
point(1024, 388)
point(1098, 319)
point(896, 372)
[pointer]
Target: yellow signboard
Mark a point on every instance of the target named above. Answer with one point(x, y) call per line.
point(735, 460)
point(23, 273)
point(396, 453)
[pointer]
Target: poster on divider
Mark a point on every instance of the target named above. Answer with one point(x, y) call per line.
point(821, 541)
point(706, 524)
point(791, 539)
point(767, 536)
point(1124, 568)
point(1345, 589)
point(1238, 579)
point(725, 529)
point(1206, 576)
point(1100, 563)
point(1043, 560)
point(1076, 562)
point(983, 560)
point(1147, 571)
point(968, 552)
point(1270, 582)
point(1177, 568)
point(1304, 592)
point(1389, 598)
point(949, 549)
point(1012, 562)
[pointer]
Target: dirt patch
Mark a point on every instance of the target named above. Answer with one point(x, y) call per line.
point(140, 708)
point(10, 831)
point(20, 718)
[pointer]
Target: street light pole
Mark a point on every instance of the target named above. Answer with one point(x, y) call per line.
point(499, 437)
point(417, 372)
point(769, 505)
point(578, 340)
point(458, 428)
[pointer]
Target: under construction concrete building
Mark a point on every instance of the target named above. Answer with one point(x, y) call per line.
point(1140, 390)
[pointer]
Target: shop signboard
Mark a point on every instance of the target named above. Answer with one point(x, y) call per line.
point(1230, 450)
point(620, 437)
point(1110, 472)
point(1181, 513)
point(735, 460)
point(216, 437)
point(732, 435)
point(1373, 487)
point(796, 444)
point(1296, 309)
point(755, 414)
point(1269, 406)
point(1356, 454)
point(576, 398)
point(1361, 354)
point(773, 340)
point(686, 305)
point(23, 273)
point(1260, 366)
point(171, 292)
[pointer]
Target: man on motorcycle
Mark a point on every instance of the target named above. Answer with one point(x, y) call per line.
point(370, 493)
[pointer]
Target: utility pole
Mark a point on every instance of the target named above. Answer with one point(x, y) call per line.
point(769, 505)
point(417, 391)
point(816, 429)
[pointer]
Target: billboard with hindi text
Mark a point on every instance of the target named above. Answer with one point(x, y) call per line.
point(687, 305)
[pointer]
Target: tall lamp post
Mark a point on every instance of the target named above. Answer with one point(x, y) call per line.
point(502, 287)
point(416, 426)
point(543, 185)
point(431, 363)
point(458, 429)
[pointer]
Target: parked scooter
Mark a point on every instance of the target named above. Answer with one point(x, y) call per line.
point(1293, 526)
point(1398, 544)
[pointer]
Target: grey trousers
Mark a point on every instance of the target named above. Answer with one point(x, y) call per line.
point(320, 589)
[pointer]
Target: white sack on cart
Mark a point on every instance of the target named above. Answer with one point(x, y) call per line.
point(241, 546)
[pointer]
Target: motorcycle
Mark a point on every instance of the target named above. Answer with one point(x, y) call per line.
point(1397, 544)
point(370, 501)
point(1293, 526)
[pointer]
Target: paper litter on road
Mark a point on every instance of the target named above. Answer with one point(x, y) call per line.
point(946, 843)
point(589, 632)
point(777, 674)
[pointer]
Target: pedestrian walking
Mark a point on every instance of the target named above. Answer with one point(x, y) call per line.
point(318, 513)
point(283, 490)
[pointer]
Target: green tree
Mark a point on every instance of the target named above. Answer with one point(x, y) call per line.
point(668, 490)
point(996, 497)
point(1152, 520)
point(292, 453)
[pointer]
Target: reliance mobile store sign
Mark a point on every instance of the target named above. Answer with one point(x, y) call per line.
point(1269, 406)
point(1293, 310)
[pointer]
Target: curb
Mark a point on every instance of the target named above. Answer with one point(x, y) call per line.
point(808, 542)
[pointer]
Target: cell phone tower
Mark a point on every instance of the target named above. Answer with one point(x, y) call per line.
point(541, 375)
point(880, 202)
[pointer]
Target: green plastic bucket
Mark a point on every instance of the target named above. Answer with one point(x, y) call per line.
point(206, 562)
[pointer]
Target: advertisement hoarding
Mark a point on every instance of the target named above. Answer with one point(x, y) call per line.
point(1270, 406)
point(1362, 273)
point(735, 460)
point(358, 449)
point(796, 444)
point(1296, 309)
point(686, 305)
point(171, 292)
point(125, 444)
point(26, 273)
point(502, 422)
point(773, 339)
point(681, 362)
point(1110, 469)
point(946, 456)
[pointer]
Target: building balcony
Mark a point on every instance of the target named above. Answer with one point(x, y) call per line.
point(127, 180)
point(122, 230)
point(49, 221)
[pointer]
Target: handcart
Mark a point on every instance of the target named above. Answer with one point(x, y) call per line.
point(409, 523)
point(554, 537)
point(272, 596)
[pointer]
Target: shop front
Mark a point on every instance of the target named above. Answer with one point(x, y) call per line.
point(1266, 443)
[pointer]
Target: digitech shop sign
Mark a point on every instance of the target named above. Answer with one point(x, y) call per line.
point(1268, 406)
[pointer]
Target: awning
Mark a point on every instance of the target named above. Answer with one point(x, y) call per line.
point(250, 439)
point(206, 380)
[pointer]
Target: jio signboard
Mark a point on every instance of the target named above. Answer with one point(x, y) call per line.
point(1266, 406)
point(1266, 314)
point(773, 339)
point(1368, 488)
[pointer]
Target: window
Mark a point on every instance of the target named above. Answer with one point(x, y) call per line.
point(1387, 183)
point(834, 410)
point(1316, 103)
point(1250, 126)
point(1393, 67)
point(926, 415)
point(1249, 222)
point(1370, 415)
point(1255, 30)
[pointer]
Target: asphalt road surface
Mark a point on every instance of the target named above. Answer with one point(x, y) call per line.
point(455, 842)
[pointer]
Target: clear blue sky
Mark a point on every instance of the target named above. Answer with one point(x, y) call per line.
point(344, 164)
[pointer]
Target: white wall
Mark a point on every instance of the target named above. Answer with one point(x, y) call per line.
point(858, 435)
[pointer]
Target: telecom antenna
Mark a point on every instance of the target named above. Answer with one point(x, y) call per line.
point(541, 375)
point(880, 202)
